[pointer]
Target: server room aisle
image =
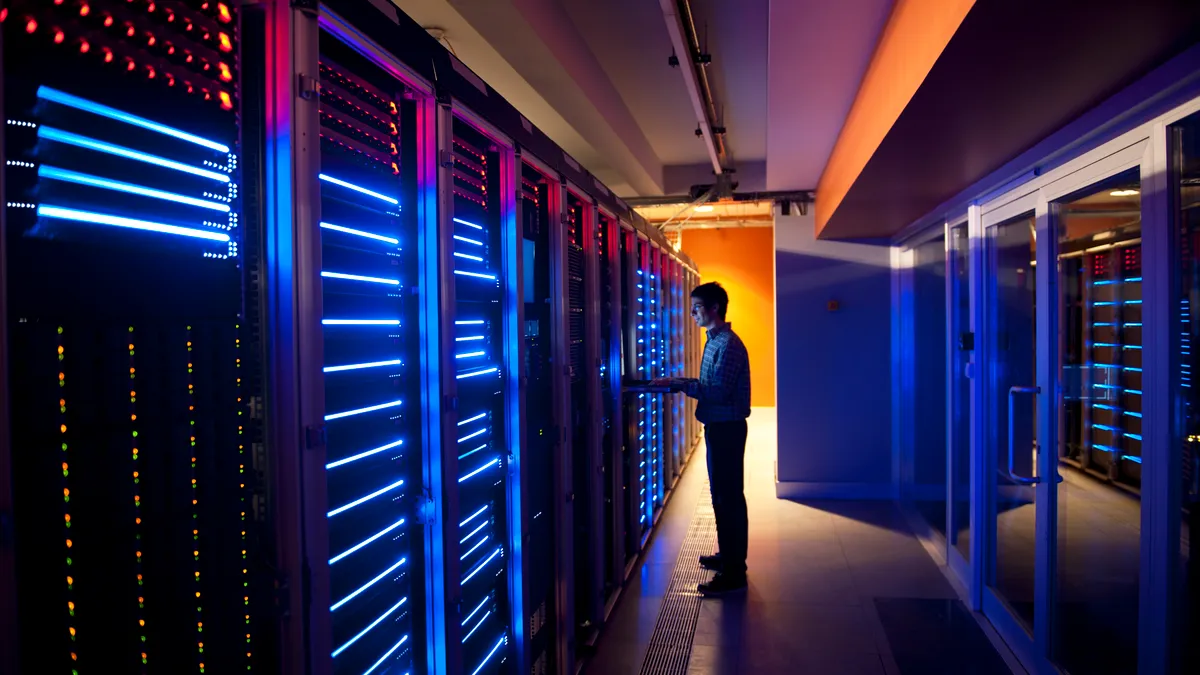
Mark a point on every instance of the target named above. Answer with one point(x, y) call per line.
point(836, 588)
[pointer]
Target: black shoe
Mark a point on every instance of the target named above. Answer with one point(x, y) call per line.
point(723, 583)
point(711, 562)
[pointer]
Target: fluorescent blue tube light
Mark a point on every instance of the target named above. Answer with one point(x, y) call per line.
point(359, 189)
point(476, 275)
point(359, 411)
point(361, 455)
point(358, 277)
point(63, 98)
point(117, 221)
point(373, 624)
point(476, 472)
point(366, 541)
point(386, 656)
point(68, 138)
point(364, 499)
point(367, 585)
point(118, 186)
point(490, 655)
point(460, 221)
point(477, 373)
point(361, 366)
point(360, 322)
point(359, 233)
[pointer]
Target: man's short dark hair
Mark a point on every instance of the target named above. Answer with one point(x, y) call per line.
point(712, 294)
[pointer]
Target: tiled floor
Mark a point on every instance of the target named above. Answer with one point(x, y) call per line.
point(823, 579)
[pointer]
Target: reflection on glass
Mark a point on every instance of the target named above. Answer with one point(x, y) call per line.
point(1012, 363)
point(1100, 354)
point(929, 407)
point(960, 389)
point(1185, 141)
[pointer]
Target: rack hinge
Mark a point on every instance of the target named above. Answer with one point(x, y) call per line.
point(315, 436)
point(446, 159)
point(425, 509)
point(309, 87)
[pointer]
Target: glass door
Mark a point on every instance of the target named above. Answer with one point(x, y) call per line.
point(961, 345)
point(1010, 407)
point(1062, 409)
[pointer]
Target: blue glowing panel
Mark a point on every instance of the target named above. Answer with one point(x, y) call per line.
point(108, 168)
point(373, 469)
point(479, 349)
point(1113, 337)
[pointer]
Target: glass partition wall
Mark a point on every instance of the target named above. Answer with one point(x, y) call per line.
point(1057, 454)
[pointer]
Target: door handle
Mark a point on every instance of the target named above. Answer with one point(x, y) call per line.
point(1012, 393)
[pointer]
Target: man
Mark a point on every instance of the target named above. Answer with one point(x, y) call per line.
point(723, 404)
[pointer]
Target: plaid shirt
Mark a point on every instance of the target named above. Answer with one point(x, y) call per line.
point(723, 390)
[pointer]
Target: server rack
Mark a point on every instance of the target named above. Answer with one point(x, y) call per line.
point(482, 500)
point(608, 234)
point(132, 323)
point(545, 405)
point(586, 490)
point(372, 364)
point(1104, 325)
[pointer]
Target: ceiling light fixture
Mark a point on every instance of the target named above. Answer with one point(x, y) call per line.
point(1123, 193)
point(705, 208)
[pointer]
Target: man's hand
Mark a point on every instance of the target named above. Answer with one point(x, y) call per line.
point(672, 382)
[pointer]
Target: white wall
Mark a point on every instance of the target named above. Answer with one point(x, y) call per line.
point(833, 382)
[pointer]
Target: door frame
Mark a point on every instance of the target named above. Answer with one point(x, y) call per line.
point(1130, 151)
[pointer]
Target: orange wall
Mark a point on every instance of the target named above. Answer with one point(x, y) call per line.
point(743, 261)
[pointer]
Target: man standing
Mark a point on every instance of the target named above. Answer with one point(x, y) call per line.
point(723, 404)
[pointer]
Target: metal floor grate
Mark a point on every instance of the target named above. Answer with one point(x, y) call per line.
point(671, 644)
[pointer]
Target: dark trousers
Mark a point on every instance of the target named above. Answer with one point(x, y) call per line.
point(726, 443)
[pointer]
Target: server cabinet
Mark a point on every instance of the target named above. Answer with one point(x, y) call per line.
point(586, 490)
point(655, 330)
point(1103, 325)
point(481, 423)
point(608, 234)
point(373, 358)
point(132, 321)
point(544, 391)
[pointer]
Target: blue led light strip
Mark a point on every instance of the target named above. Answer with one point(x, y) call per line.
point(359, 189)
point(360, 322)
point(118, 186)
point(359, 233)
point(460, 221)
point(481, 565)
point(73, 215)
point(365, 542)
point(361, 366)
point(359, 277)
point(372, 625)
point(364, 499)
point(62, 98)
point(476, 472)
point(68, 138)
point(492, 653)
point(476, 275)
point(386, 655)
point(361, 455)
point(382, 575)
point(359, 411)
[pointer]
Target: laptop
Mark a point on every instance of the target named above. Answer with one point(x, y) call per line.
point(644, 386)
